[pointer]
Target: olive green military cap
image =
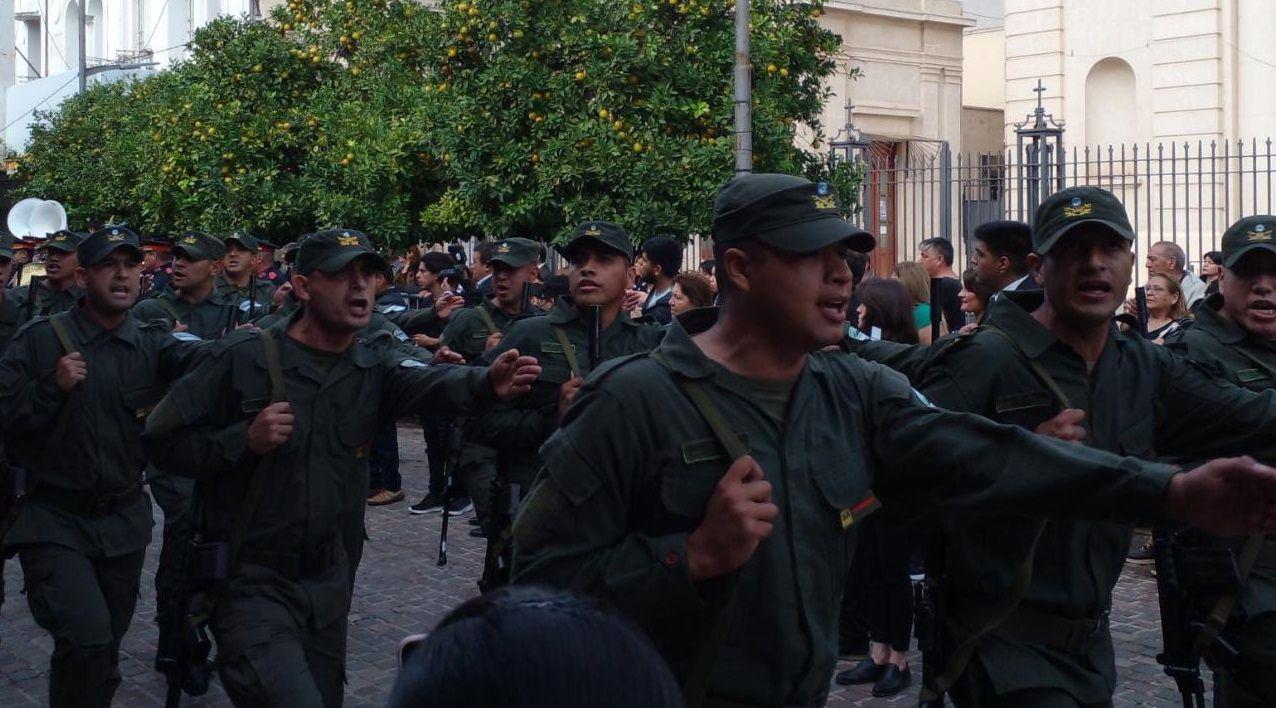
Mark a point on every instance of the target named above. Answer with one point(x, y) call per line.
point(104, 242)
point(602, 232)
point(330, 251)
point(516, 252)
point(65, 241)
point(199, 246)
point(6, 245)
point(1253, 233)
point(785, 212)
point(244, 239)
point(1069, 208)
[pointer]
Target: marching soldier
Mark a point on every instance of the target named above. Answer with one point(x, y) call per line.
point(252, 297)
point(74, 390)
point(693, 487)
point(58, 291)
point(10, 313)
point(23, 252)
point(1233, 339)
point(267, 269)
point(472, 331)
point(600, 257)
point(157, 264)
point(274, 428)
point(192, 299)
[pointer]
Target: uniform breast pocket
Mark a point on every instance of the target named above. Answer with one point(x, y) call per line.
point(355, 435)
point(140, 401)
point(689, 483)
point(1026, 410)
point(1138, 439)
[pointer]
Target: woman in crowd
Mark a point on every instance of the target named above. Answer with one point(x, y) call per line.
point(974, 296)
point(690, 290)
point(915, 278)
point(1211, 267)
point(528, 647)
point(1166, 311)
point(884, 548)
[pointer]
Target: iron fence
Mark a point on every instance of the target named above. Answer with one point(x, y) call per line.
point(1185, 192)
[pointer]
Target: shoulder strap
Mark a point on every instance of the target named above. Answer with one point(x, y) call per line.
point(59, 329)
point(1036, 366)
point(569, 351)
point(169, 307)
point(274, 365)
point(1223, 608)
point(487, 319)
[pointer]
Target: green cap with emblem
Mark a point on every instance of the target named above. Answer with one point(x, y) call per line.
point(785, 212)
point(104, 242)
point(602, 232)
point(6, 245)
point(516, 252)
point(1253, 233)
point(199, 246)
point(65, 241)
point(330, 251)
point(244, 239)
point(1069, 208)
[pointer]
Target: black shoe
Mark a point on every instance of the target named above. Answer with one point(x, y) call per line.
point(864, 672)
point(460, 506)
point(1142, 555)
point(477, 532)
point(892, 681)
point(430, 504)
point(196, 677)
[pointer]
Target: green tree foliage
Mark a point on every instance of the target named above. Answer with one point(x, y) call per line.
point(493, 117)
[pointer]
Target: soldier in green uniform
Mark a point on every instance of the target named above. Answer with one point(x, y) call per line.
point(735, 568)
point(251, 296)
point(10, 314)
point(192, 303)
point(1233, 339)
point(600, 259)
point(58, 291)
point(274, 427)
point(74, 391)
point(472, 331)
point(1052, 361)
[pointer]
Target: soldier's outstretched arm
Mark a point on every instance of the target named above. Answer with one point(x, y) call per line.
point(571, 531)
point(30, 397)
point(194, 431)
point(413, 385)
point(1198, 417)
point(964, 461)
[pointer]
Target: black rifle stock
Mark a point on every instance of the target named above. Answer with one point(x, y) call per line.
point(33, 294)
point(525, 304)
point(450, 456)
point(1179, 659)
point(1141, 304)
point(930, 608)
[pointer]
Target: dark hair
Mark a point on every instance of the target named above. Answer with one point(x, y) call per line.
point(1215, 257)
point(664, 252)
point(1011, 239)
point(889, 307)
point(940, 246)
point(696, 288)
point(707, 267)
point(527, 647)
point(483, 251)
point(970, 281)
point(436, 262)
point(858, 263)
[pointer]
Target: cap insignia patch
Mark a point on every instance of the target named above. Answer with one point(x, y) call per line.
point(190, 240)
point(593, 230)
point(115, 236)
point(348, 240)
point(503, 248)
point(1078, 209)
point(825, 202)
point(1259, 234)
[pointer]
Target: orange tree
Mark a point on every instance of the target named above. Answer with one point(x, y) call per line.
point(552, 112)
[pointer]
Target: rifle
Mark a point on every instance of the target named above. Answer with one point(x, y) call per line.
point(930, 609)
point(184, 643)
point(252, 302)
point(595, 336)
point(33, 294)
point(525, 305)
point(1141, 304)
point(452, 455)
point(1178, 624)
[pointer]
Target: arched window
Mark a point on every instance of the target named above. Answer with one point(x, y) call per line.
point(1109, 103)
point(71, 34)
point(95, 26)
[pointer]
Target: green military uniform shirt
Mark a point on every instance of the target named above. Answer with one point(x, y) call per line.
point(316, 481)
point(88, 440)
point(1139, 401)
point(209, 318)
point(48, 301)
point(517, 428)
point(628, 476)
point(467, 332)
point(10, 319)
point(257, 296)
point(1228, 353)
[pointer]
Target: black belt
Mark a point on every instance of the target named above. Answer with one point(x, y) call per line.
point(89, 505)
point(1031, 626)
point(294, 565)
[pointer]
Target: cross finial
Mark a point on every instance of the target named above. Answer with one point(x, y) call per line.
point(1040, 91)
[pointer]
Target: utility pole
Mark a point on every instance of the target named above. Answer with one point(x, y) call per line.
point(83, 46)
point(743, 91)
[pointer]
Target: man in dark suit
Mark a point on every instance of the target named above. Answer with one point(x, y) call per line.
point(1000, 258)
point(658, 263)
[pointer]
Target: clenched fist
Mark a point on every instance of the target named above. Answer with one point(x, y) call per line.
point(271, 428)
point(739, 516)
point(71, 371)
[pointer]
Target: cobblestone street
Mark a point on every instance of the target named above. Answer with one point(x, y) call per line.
point(400, 591)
